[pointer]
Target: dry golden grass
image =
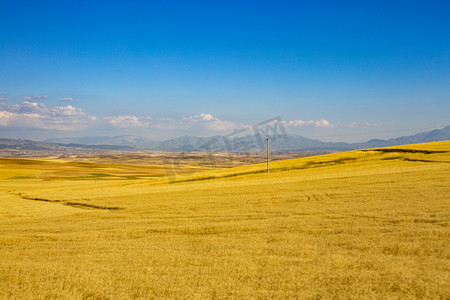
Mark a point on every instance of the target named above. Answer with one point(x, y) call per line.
point(361, 224)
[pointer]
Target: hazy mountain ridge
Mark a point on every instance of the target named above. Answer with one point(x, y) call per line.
point(422, 137)
point(28, 145)
point(19, 144)
point(252, 143)
point(217, 143)
point(121, 140)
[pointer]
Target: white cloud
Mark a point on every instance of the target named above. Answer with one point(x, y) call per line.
point(210, 122)
point(5, 117)
point(65, 99)
point(166, 119)
point(34, 97)
point(318, 123)
point(200, 117)
point(295, 123)
point(39, 115)
point(322, 123)
point(359, 125)
point(126, 121)
point(217, 124)
point(206, 117)
point(3, 98)
point(68, 110)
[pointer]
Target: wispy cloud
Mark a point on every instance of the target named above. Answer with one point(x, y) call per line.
point(207, 117)
point(210, 122)
point(38, 115)
point(322, 123)
point(41, 116)
point(35, 97)
point(299, 123)
point(3, 98)
point(127, 121)
point(360, 125)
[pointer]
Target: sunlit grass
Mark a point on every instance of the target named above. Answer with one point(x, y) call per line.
point(360, 224)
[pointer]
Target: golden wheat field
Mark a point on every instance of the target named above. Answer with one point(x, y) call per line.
point(369, 224)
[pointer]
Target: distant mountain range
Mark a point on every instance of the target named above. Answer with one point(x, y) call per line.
point(18, 144)
point(123, 140)
point(217, 143)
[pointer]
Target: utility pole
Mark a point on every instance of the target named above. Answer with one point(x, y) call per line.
point(267, 155)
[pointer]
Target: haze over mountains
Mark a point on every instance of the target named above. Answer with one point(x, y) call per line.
point(217, 143)
point(248, 143)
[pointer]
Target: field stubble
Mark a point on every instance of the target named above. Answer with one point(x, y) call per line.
point(361, 224)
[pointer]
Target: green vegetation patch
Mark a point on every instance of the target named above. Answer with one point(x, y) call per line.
point(395, 150)
point(101, 175)
point(22, 177)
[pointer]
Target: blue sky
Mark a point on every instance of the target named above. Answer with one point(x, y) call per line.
point(336, 70)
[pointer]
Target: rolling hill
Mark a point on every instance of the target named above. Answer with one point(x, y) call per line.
point(361, 224)
point(216, 143)
point(19, 144)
